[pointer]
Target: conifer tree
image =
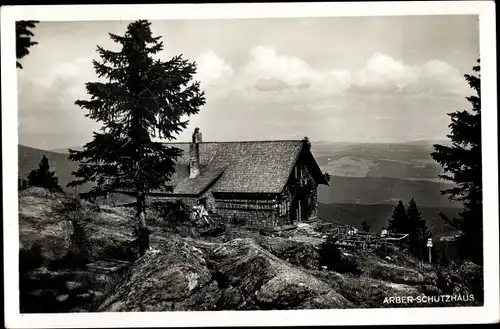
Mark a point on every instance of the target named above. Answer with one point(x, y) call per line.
point(24, 39)
point(462, 165)
point(417, 230)
point(307, 143)
point(327, 177)
point(364, 226)
point(140, 99)
point(43, 177)
point(399, 220)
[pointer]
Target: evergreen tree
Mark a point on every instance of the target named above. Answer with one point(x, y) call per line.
point(399, 220)
point(23, 39)
point(327, 177)
point(417, 230)
point(43, 177)
point(142, 98)
point(462, 165)
point(22, 183)
point(307, 143)
point(364, 226)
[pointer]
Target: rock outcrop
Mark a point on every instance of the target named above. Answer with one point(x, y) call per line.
point(56, 241)
point(51, 229)
point(237, 275)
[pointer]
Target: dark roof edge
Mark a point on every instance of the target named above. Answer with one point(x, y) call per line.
point(320, 179)
point(316, 166)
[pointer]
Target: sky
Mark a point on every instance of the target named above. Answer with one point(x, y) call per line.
point(339, 79)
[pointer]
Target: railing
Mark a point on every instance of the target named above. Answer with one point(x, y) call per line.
point(365, 240)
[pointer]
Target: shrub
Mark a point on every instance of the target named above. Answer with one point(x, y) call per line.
point(332, 258)
point(235, 220)
point(384, 251)
point(464, 277)
point(22, 184)
point(30, 259)
point(176, 212)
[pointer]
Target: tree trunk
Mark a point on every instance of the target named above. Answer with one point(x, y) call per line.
point(142, 228)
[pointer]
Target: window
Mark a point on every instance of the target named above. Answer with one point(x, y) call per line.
point(283, 207)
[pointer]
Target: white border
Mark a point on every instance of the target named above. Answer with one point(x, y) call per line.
point(487, 314)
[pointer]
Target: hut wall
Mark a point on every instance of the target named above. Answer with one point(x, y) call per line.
point(313, 201)
point(251, 212)
point(189, 201)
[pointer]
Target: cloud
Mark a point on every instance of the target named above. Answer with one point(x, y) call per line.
point(304, 85)
point(46, 96)
point(266, 65)
point(441, 76)
point(212, 70)
point(384, 75)
point(271, 85)
point(267, 95)
point(271, 76)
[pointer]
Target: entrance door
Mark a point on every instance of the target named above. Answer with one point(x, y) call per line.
point(304, 209)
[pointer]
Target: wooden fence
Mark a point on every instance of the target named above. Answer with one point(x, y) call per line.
point(351, 238)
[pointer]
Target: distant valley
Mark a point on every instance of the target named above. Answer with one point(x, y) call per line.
point(385, 190)
point(378, 215)
point(372, 173)
point(361, 173)
point(397, 160)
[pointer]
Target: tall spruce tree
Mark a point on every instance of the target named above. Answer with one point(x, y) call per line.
point(43, 177)
point(141, 98)
point(399, 220)
point(417, 230)
point(24, 39)
point(462, 165)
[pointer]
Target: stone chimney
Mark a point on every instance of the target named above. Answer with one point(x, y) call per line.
point(194, 154)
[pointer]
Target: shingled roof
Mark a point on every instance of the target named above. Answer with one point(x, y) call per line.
point(238, 167)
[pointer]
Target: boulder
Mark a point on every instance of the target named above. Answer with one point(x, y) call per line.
point(237, 275)
point(48, 235)
point(271, 282)
point(295, 252)
point(164, 281)
point(44, 229)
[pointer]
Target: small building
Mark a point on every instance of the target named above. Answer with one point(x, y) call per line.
point(260, 183)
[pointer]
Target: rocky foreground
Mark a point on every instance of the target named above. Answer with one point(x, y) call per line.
point(236, 270)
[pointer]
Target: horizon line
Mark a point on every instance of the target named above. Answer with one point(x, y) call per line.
point(262, 141)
